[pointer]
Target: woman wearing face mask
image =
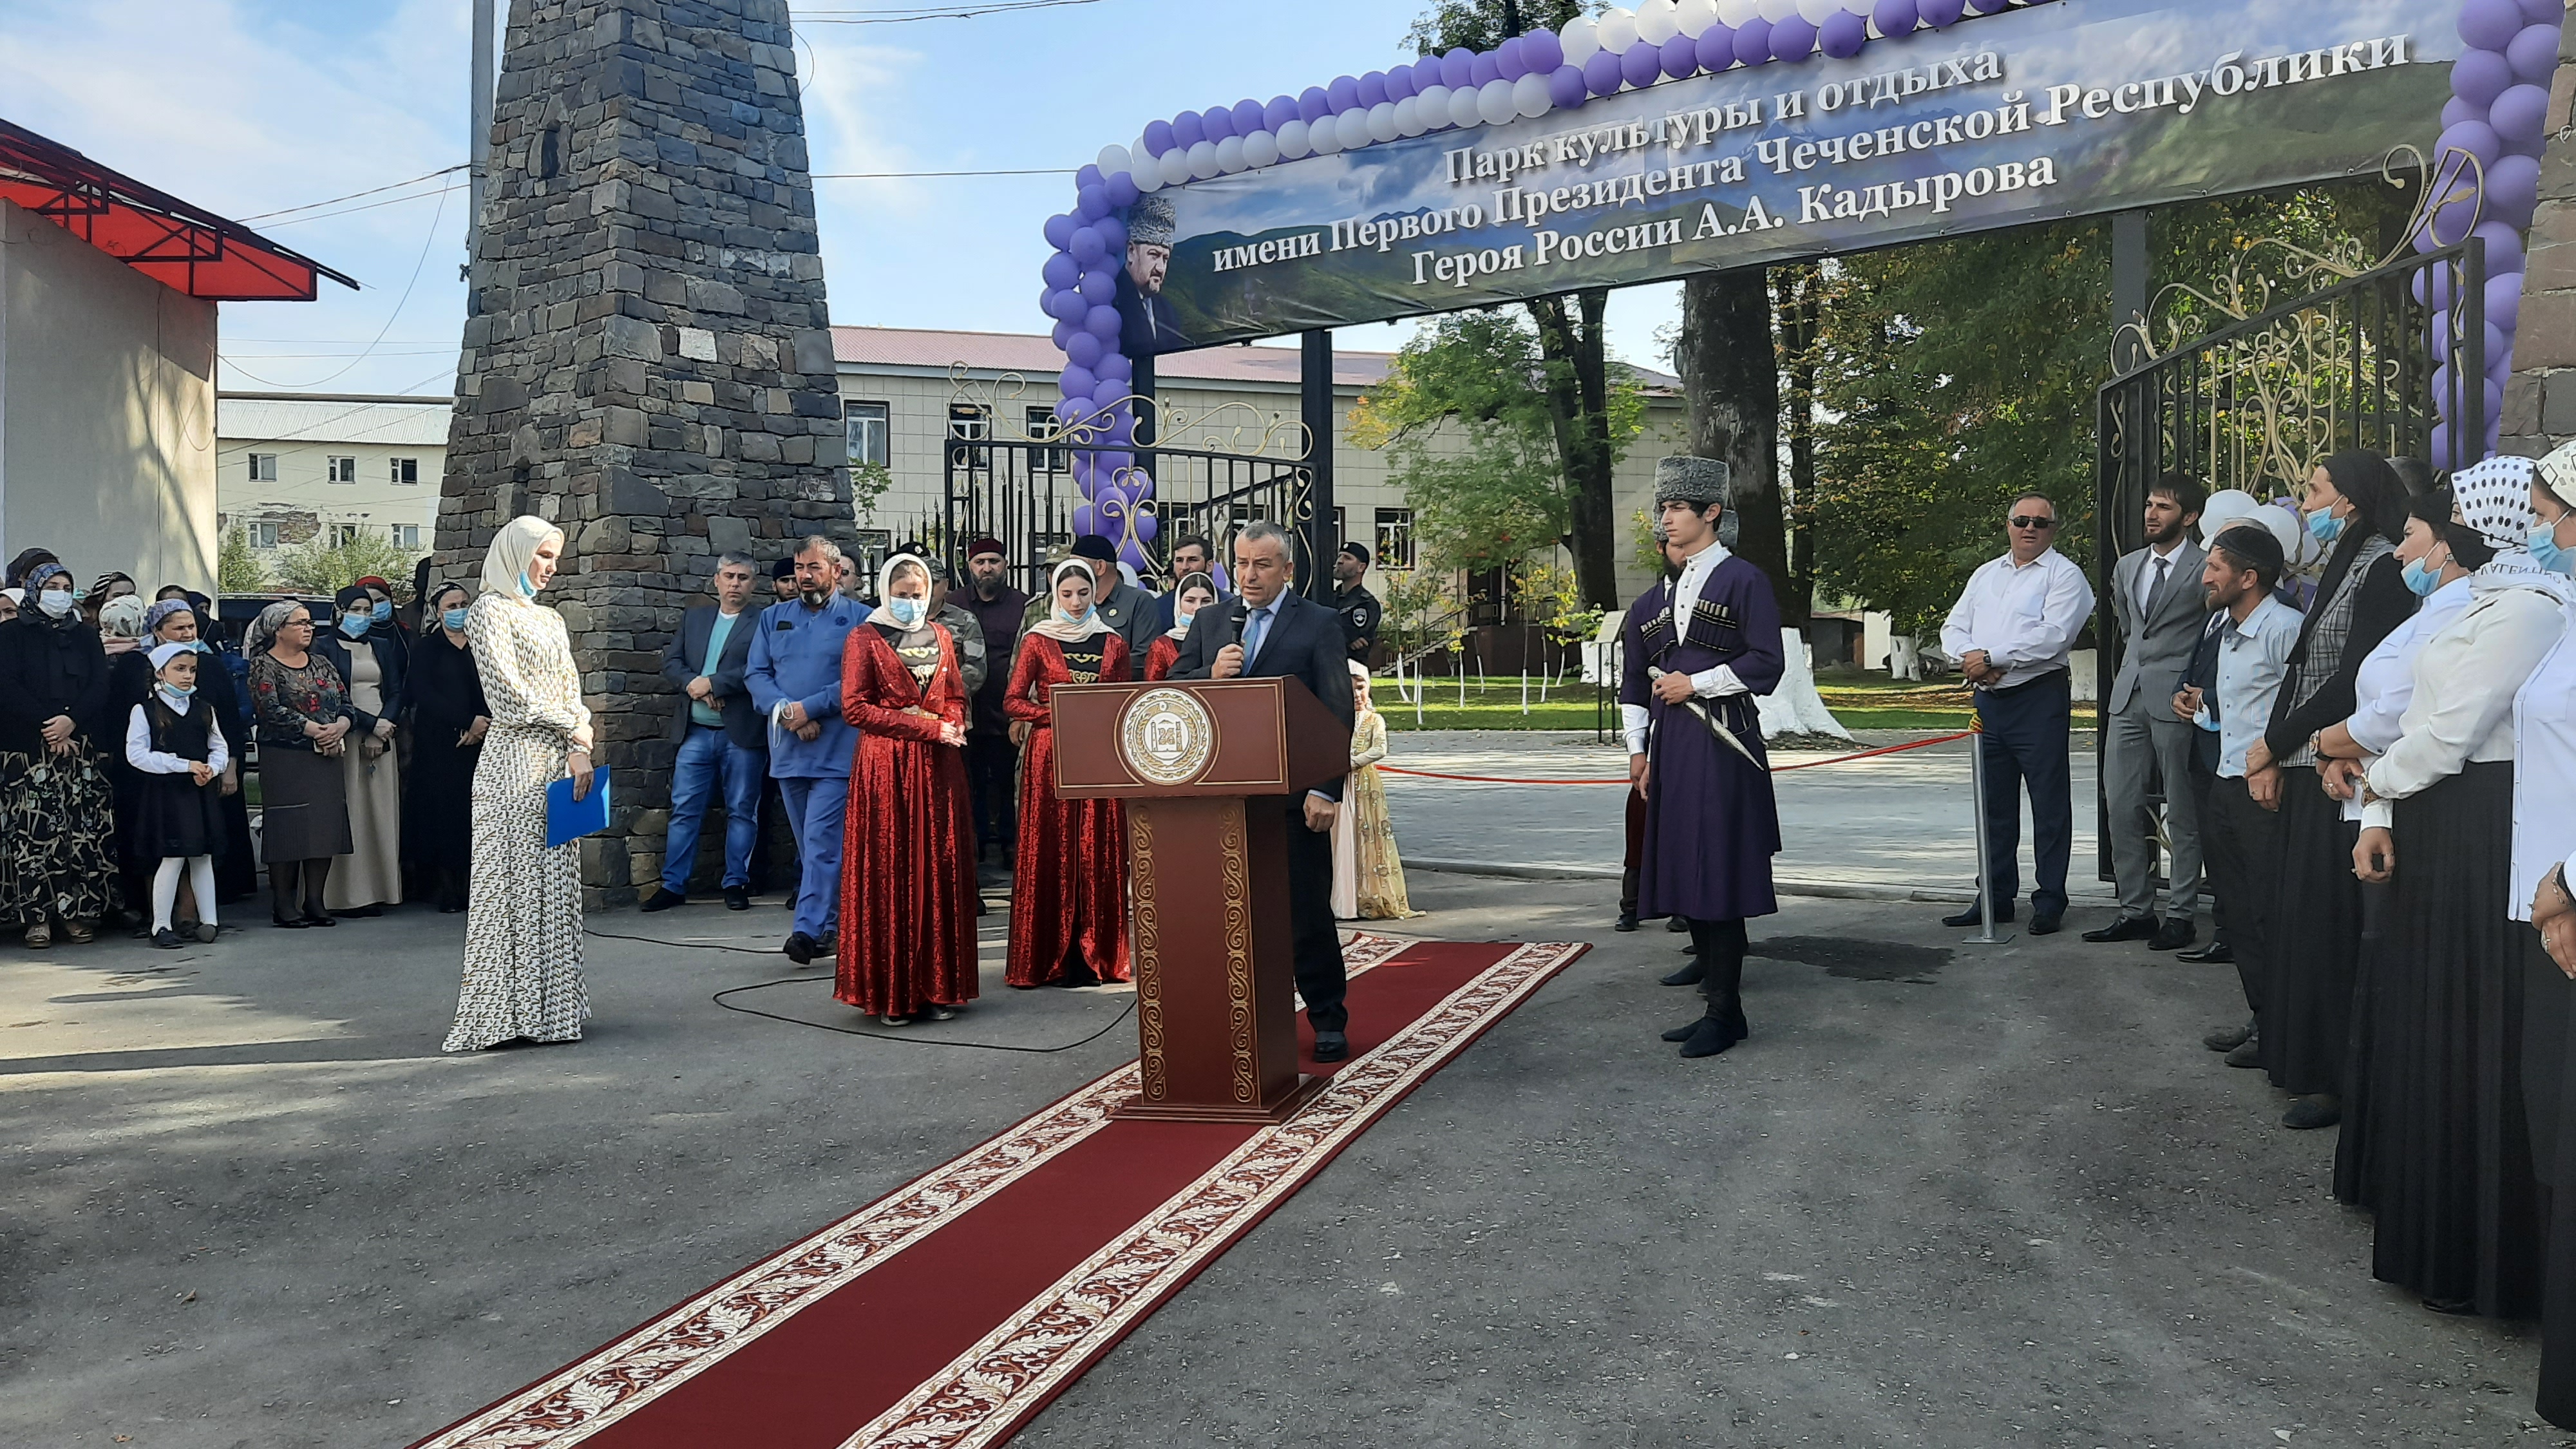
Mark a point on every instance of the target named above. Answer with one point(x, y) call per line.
point(907, 940)
point(2450, 1158)
point(523, 962)
point(302, 706)
point(449, 720)
point(372, 661)
point(1195, 592)
point(177, 621)
point(1069, 894)
point(57, 866)
point(173, 744)
point(2358, 918)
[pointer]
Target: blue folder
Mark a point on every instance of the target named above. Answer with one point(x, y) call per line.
point(568, 819)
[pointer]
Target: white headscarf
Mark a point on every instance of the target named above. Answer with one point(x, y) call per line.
point(513, 549)
point(1056, 628)
point(1195, 578)
point(2495, 499)
point(885, 593)
point(122, 616)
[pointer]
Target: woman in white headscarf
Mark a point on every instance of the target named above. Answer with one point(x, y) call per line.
point(1069, 891)
point(1368, 875)
point(2450, 1159)
point(523, 978)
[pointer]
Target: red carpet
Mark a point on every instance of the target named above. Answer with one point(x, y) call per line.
point(948, 1312)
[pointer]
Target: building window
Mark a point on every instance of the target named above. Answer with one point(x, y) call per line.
point(340, 470)
point(1043, 425)
point(969, 423)
point(263, 467)
point(1395, 538)
point(405, 470)
point(866, 424)
point(263, 535)
point(343, 534)
point(407, 535)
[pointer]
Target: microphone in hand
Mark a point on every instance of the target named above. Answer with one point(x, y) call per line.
point(1230, 660)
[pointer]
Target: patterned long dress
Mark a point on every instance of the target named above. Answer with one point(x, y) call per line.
point(523, 962)
point(1368, 876)
point(908, 856)
point(1069, 892)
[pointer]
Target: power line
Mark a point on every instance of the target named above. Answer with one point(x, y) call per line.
point(907, 15)
point(354, 195)
point(370, 206)
point(904, 175)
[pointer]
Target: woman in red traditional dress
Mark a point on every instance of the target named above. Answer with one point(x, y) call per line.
point(907, 878)
point(1069, 896)
point(1195, 592)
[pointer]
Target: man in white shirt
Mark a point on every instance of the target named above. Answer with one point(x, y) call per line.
point(2012, 632)
point(2157, 595)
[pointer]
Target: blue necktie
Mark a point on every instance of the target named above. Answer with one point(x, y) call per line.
point(1253, 634)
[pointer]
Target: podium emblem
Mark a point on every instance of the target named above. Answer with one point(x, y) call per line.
point(1167, 737)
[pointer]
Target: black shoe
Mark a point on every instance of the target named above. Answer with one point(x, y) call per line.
point(2216, 953)
point(2321, 1109)
point(2172, 936)
point(1710, 1036)
point(2127, 928)
point(320, 918)
point(1627, 921)
point(205, 933)
point(1688, 974)
point(287, 923)
point(2249, 1054)
point(1331, 1046)
point(1678, 925)
point(1970, 917)
point(735, 900)
point(2229, 1038)
point(664, 900)
point(166, 939)
point(2046, 923)
point(800, 948)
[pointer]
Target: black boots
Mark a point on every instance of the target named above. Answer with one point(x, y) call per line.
point(1721, 958)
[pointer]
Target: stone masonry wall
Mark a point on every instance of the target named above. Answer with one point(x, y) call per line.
point(2540, 402)
point(647, 359)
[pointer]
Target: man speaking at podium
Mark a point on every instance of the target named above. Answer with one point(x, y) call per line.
point(1273, 633)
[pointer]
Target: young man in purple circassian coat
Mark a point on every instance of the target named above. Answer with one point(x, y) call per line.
point(1691, 673)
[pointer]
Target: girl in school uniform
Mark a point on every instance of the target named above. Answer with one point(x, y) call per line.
point(178, 753)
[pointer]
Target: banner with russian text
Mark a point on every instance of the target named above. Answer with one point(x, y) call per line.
point(2058, 111)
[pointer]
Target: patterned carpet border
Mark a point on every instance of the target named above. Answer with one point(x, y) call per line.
point(987, 1392)
point(574, 1403)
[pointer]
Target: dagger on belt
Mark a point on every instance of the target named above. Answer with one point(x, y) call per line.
point(1700, 711)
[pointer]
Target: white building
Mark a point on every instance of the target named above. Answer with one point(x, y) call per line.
point(293, 465)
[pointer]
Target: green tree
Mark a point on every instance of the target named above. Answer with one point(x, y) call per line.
point(238, 569)
point(317, 566)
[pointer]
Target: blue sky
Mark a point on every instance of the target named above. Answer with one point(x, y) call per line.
point(255, 106)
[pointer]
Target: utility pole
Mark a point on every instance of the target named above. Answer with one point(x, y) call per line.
point(478, 121)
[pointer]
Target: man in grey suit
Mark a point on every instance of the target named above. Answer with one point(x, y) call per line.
point(722, 738)
point(2156, 595)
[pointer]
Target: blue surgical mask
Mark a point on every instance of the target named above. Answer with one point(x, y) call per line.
point(177, 693)
point(56, 603)
point(453, 618)
point(526, 590)
point(907, 612)
point(384, 610)
point(2546, 552)
point(2423, 578)
point(200, 646)
point(1072, 616)
point(1182, 620)
point(2324, 527)
point(355, 625)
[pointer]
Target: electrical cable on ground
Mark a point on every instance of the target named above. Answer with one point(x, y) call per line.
point(1623, 780)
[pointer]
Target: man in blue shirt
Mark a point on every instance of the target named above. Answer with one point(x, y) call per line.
point(721, 737)
point(795, 682)
point(2241, 832)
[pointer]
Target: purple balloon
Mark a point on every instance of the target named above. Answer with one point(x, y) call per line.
point(2544, 12)
point(1217, 122)
point(1066, 410)
point(1091, 202)
point(1987, 7)
point(1508, 63)
point(1114, 459)
point(2504, 246)
point(1083, 349)
point(1078, 381)
point(1249, 116)
point(1753, 42)
point(1566, 87)
point(1844, 34)
point(1344, 93)
point(2490, 24)
point(1147, 525)
point(1115, 365)
point(1399, 83)
point(1099, 285)
point(1457, 67)
point(1061, 271)
point(1313, 105)
point(1113, 235)
point(1158, 137)
point(1089, 175)
point(1062, 333)
point(1897, 17)
point(2519, 115)
point(1084, 522)
point(2534, 53)
point(1941, 14)
point(2513, 190)
point(1483, 71)
point(1641, 65)
point(1065, 306)
point(1059, 231)
point(2450, 223)
point(2504, 296)
point(1716, 47)
point(1601, 73)
point(2475, 137)
point(1543, 51)
point(2479, 76)
point(1795, 39)
point(1680, 57)
point(2456, 110)
point(1101, 322)
point(1188, 130)
point(1280, 111)
point(1372, 89)
point(1121, 190)
point(2498, 345)
point(1085, 246)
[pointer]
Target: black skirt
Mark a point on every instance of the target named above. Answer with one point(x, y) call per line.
point(2449, 1155)
point(2366, 1054)
point(2549, 1031)
point(175, 816)
point(2314, 936)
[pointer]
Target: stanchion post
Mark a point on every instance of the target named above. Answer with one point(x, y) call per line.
point(1977, 790)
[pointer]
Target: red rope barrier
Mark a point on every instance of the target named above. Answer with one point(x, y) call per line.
point(1622, 780)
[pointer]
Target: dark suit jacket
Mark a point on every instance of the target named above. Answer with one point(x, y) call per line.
point(393, 666)
point(2203, 671)
point(1305, 642)
point(685, 658)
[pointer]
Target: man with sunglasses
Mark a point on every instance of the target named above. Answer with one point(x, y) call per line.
point(2012, 632)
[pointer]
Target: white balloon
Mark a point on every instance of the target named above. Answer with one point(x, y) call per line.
point(1325, 136)
point(1113, 159)
point(1656, 22)
point(1260, 149)
point(1580, 39)
point(1617, 29)
point(1529, 96)
point(1381, 122)
point(1433, 105)
point(1495, 103)
point(1408, 117)
point(1292, 140)
point(1696, 16)
point(1351, 127)
point(1776, 11)
point(1148, 174)
point(1202, 160)
point(1736, 12)
point(1817, 12)
point(1175, 166)
point(1466, 107)
point(1229, 155)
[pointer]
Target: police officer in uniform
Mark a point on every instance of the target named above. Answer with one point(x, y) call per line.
point(1359, 608)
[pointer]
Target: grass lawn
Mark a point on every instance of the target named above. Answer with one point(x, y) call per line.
point(1859, 700)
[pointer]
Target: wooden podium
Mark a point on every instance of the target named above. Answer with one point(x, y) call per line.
point(1206, 769)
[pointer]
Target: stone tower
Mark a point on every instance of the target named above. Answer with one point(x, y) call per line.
point(647, 356)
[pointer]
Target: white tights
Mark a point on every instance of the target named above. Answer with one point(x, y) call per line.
point(165, 888)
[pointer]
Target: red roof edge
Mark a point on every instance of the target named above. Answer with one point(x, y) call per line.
point(184, 247)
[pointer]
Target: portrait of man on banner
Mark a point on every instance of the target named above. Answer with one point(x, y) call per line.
point(1147, 322)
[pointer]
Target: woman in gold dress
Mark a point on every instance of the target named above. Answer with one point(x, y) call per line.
point(1368, 875)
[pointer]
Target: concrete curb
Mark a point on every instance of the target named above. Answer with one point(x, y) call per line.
point(1847, 890)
